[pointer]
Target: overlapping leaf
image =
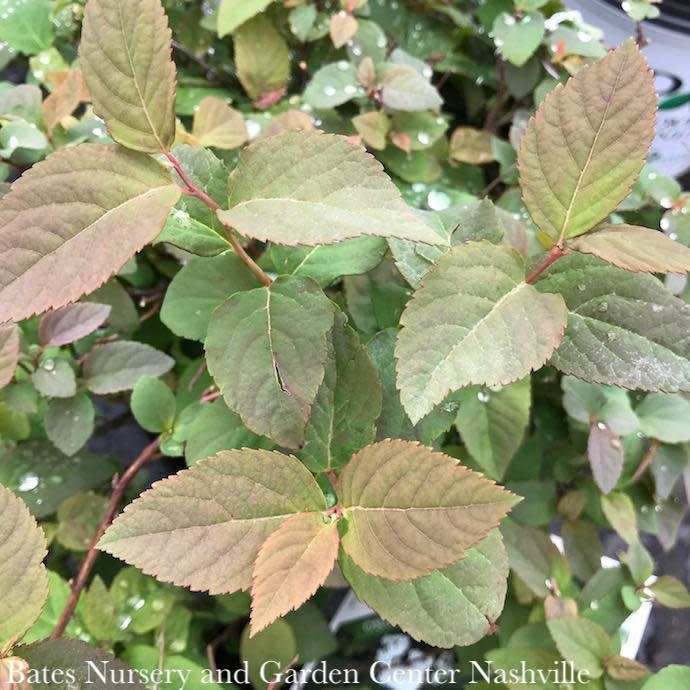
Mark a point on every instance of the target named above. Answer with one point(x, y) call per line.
point(310, 188)
point(347, 404)
point(203, 527)
point(9, 353)
point(624, 328)
point(125, 55)
point(493, 423)
point(266, 350)
point(23, 579)
point(453, 606)
point(72, 322)
point(291, 565)
point(473, 321)
point(586, 146)
point(636, 249)
point(217, 124)
point(411, 510)
point(73, 220)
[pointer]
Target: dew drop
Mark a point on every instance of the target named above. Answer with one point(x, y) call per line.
point(49, 364)
point(483, 396)
point(656, 308)
point(581, 287)
point(509, 20)
point(594, 605)
point(28, 482)
point(603, 307)
point(601, 425)
point(350, 90)
point(330, 91)
point(673, 236)
point(611, 336)
point(343, 65)
point(423, 138)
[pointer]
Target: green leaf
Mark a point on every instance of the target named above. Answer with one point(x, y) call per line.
point(665, 417)
point(453, 606)
point(217, 124)
point(347, 404)
point(532, 555)
point(23, 579)
point(58, 595)
point(402, 530)
point(493, 423)
point(268, 652)
point(72, 322)
point(517, 39)
point(582, 547)
point(100, 613)
point(59, 210)
point(262, 58)
point(69, 422)
point(327, 264)
point(56, 658)
point(575, 167)
point(311, 188)
point(620, 512)
point(125, 56)
point(153, 405)
point(217, 530)
point(635, 249)
point(581, 642)
point(9, 353)
point(472, 300)
point(404, 88)
point(278, 334)
point(26, 25)
point(672, 677)
point(670, 592)
point(199, 288)
point(32, 469)
point(606, 456)
point(216, 428)
point(373, 127)
point(118, 366)
point(232, 13)
point(178, 672)
point(291, 565)
point(332, 85)
point(393, 421)
point(78, 519)
point(624, 328)
point(55, 378)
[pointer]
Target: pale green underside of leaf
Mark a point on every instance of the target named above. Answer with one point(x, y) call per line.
point(347, 404)
point(586, 146)
point(278, 334)
point(125, 56)
point(217, 124)
point(118, 366)
point(401, 530)
point(23, 579)
point(311, 188)
point(624, 329)
point(493, 423)
point(199, 288)
point(75, 219)
point(56, 657)
point(232, 13)
point(449, 607)
point(674, 677)
point(405, 89)
point(291, 565)
point(203, 527)
point(9, 353)
point(473, 321)
point(636, 249)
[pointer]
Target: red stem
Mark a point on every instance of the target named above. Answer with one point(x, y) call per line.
point(200, 194)
point(557, 251)
point(92, 554)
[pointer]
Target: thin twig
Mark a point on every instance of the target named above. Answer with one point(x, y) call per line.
point(497, 180)
point(200, 194)
point(119, 489)
point(646, 462)
point(278, 681)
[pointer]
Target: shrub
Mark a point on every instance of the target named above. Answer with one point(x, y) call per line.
point(399, 383)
